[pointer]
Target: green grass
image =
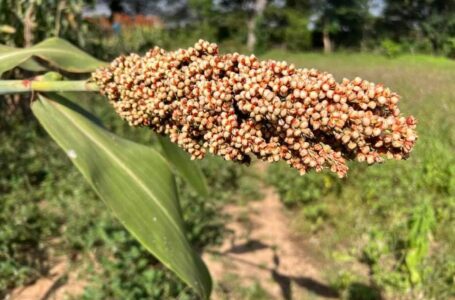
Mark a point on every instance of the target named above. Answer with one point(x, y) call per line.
point(380, 218)
point(48, 213)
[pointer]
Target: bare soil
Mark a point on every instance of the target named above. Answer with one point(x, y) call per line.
point(263, 249)
point(61, 283)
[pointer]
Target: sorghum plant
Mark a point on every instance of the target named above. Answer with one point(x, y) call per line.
point(231, 105)
point(237, 106)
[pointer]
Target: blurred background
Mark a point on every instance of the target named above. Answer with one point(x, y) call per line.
point(384, 232)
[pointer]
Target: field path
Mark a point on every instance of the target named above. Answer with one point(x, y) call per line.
point(61, 283)
point(263, 249)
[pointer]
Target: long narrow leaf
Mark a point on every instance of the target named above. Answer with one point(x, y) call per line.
point(134, 181)
point(180, 160)
point(29, 64)
point(57, 52)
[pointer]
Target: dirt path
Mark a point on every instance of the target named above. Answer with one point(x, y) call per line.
point(262, 259)
point(263, 250)
point(61, 283)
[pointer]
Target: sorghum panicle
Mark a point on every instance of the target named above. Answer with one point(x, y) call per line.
point(237, 106)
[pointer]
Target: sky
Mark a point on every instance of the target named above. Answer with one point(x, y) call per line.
point(377, 6)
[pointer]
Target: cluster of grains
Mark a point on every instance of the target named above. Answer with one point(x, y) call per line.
point(236, 106)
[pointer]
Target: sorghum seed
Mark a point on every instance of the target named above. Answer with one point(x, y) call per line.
point(235, 106)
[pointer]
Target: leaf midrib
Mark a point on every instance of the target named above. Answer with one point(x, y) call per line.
point(35, 50)
point(124, 167)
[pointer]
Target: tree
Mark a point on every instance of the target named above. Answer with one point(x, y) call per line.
point(258, 12)
point(419, 21)
point(340, 20)
point(248, 12)
point(229, 19)
point(286, 25)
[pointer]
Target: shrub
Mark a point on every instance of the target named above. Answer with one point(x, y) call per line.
point(284, 28)
point(390, 48)
point(449, 48)
point(297, 36)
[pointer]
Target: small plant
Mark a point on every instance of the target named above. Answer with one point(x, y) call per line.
point(421, 225)
point(449, 48)
point(390, 48)
point(231, 105)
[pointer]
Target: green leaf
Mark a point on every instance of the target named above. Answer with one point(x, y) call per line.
point(57, 52)
point(134, 181)
point(180, 160)
point(7, 29)
point(29, 65)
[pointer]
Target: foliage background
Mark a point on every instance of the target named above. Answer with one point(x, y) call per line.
point(397, 218)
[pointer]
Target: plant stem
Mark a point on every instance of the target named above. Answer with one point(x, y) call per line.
point(25, 86)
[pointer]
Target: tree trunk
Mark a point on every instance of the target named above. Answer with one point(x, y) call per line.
point(327, 42)
point(258, 11)
point(29, 24)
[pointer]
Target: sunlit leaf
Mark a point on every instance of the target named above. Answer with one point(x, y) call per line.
point(134, 180)
point(29, 64)
point(7, 29)
point(180, 160)
point(59, 53)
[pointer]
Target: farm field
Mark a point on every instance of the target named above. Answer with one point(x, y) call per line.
point(384, 232)
point(379, 216)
